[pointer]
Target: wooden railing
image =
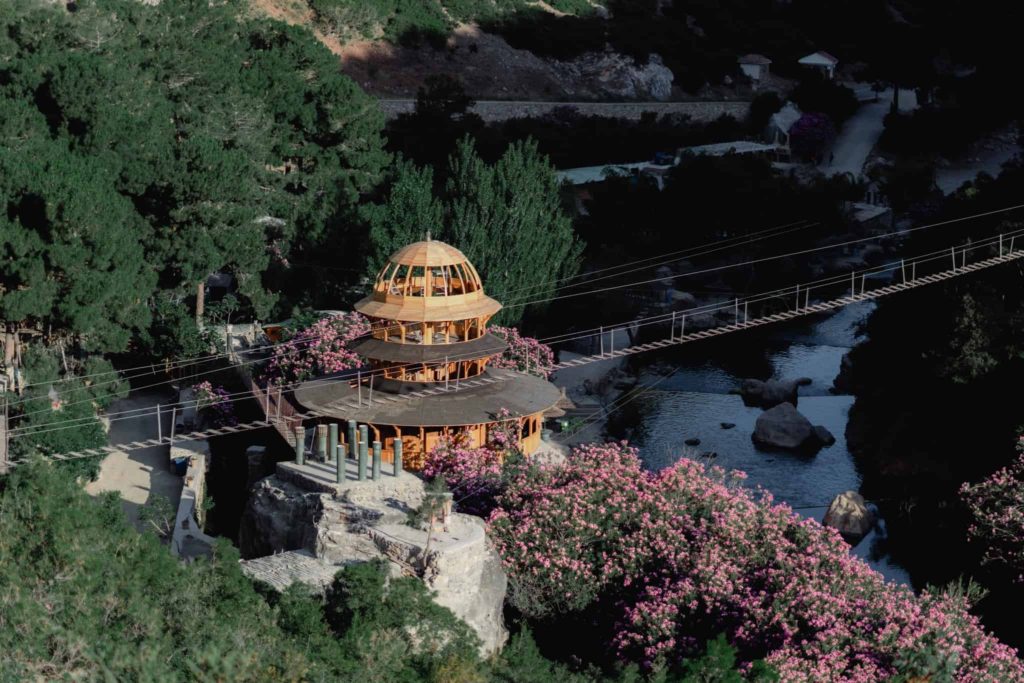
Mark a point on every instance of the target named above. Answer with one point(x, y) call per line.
point(277, 409)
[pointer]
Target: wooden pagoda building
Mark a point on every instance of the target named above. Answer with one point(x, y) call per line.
point(429, 314)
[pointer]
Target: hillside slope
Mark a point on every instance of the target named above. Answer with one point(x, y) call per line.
point(488, 66)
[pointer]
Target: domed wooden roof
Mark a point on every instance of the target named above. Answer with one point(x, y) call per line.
point(428, 253)
point(428, 281)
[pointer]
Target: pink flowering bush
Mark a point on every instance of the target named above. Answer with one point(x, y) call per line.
point(997, 508)
point(475, 476)
point(214, 401)
point(525, 354)
point(680, 555)
point(320, 349)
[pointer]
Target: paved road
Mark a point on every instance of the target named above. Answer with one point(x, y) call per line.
point(138, 475)
point(861, 132)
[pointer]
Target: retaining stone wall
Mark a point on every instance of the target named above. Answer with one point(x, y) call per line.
point(492, 110)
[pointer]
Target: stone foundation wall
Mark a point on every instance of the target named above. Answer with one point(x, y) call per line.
point(494, 110)
point(187, 539)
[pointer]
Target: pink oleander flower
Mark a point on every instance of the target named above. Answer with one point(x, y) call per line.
point(320, 349)
point(525, 354)
point(474, 475)
point(683, 554)
point(997, 508)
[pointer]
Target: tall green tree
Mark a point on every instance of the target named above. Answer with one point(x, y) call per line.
point(410, 211)
point(71, 247)
point(507, 218)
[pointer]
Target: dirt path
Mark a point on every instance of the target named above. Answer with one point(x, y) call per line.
point(138, 475)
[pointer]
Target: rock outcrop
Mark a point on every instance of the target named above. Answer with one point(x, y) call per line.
point(324, 526)
point(850, 515)
point(785, 427)
point(612, 75)
point(771, 393)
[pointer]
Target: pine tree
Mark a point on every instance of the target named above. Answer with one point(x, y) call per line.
point(506, 217)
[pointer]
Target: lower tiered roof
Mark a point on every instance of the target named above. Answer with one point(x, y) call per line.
point(475, 402)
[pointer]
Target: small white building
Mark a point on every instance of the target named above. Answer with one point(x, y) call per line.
point(780, 123)
point(822, 61)
point(754, 67)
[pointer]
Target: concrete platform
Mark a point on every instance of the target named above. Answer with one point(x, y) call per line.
point(320, 477)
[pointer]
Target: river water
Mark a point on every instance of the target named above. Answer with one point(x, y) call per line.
point(694, 400)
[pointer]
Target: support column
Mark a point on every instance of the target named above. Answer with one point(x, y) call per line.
point(376, 460)
point(398, 456)
point(332, 442)
point(363, 443)
point(300, 446)
point(321, 443)
point(353, 443)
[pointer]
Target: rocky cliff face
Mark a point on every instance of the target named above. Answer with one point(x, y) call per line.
point(614, 76)
point(332, 526)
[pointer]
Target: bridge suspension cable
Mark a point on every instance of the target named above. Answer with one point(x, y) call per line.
point(807, 308)
point(609, 329)
point(692, 252)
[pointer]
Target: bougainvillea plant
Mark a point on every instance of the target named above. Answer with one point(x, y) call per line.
point(319, 349)
point(525, 354)
point(997, 508)
point(214, 401)
point(680, 555)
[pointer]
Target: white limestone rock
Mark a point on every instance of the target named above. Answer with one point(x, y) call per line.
point(336, 525)
point(850, 515)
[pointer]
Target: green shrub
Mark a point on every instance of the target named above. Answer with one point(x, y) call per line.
point(351, 19)
point(416, 23)
point(41, 415)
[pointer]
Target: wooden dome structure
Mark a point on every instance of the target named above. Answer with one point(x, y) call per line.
point(428, 318)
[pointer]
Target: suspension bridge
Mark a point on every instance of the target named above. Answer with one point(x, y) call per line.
point(829, 294)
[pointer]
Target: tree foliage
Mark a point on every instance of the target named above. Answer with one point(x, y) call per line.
point(506, 217)
point(57, 412)
point(85, 596)
point(996, 505)
point(150, 145)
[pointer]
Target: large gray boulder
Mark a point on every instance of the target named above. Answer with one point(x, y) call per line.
point(850, 515)
point(785, 427)
point(771, 393)
point(296, 530)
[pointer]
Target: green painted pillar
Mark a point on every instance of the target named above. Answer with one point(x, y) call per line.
point(363, 448)
point(321, 443)
point(398, 456)
point(376, 460)
point(300, 446)
point(353, 443)
point(332, 441)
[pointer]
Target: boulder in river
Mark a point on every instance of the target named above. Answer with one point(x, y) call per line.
point(785, 427)
point(850, 515)
point(824, 436)
point(728, 425)
point(771, 393)
point(692, 442)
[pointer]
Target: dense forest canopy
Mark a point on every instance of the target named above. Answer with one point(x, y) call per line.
point(146, 147)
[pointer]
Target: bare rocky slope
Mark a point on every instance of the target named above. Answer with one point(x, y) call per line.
point(490, 68)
